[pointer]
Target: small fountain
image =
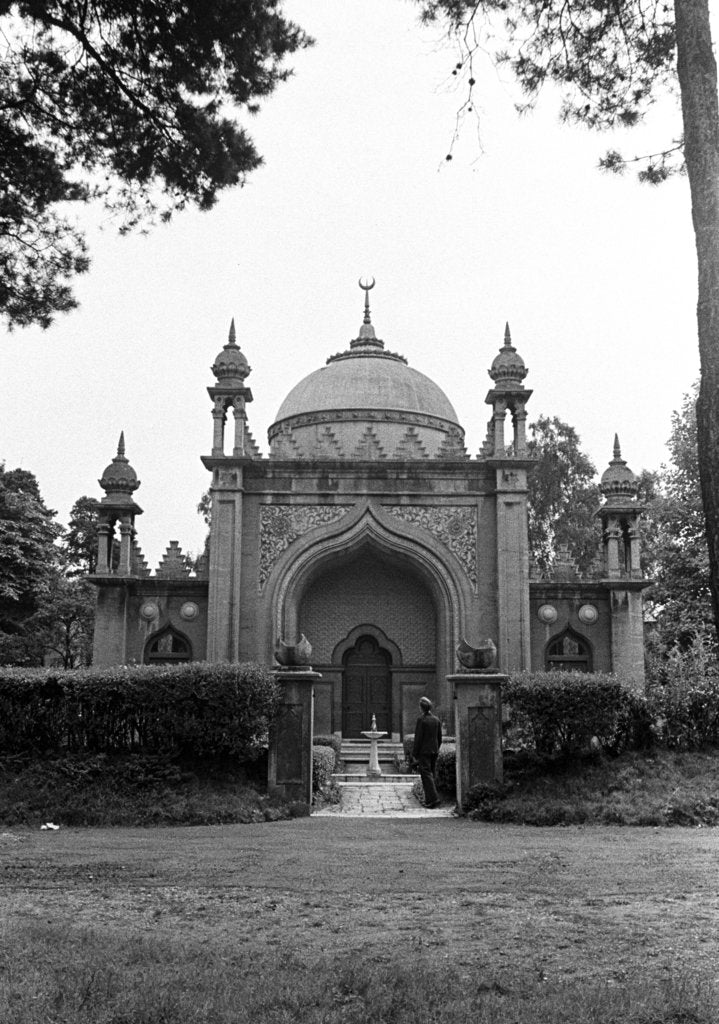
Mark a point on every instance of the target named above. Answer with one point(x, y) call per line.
point(373, 769)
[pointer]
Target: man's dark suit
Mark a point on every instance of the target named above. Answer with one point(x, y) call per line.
point(427, 741)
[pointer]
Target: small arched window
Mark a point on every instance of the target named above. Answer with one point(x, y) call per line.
point(167, 647)
point(568, 652)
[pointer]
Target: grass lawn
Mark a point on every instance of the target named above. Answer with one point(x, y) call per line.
point(331, 920)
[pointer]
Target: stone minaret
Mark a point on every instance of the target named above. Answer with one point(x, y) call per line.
point(623, 575)
point(508, 456)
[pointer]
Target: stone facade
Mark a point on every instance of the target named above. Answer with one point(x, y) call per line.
point(371, 530)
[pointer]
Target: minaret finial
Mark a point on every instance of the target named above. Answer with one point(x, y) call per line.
point(617, 449)
point(367, 288)
point(507, 336)
point(232, 339)
point(121, 444)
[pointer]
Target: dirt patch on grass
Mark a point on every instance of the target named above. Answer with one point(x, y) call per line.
point(594, 903)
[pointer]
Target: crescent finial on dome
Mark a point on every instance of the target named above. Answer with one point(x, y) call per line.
point(366, 288)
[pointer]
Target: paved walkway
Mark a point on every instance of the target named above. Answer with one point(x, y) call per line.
point(383, 799)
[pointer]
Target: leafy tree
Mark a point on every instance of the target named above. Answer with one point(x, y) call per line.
point(613, 61)
point(80, 541)
point(61, 630)
point(563, 496)
point(127, 103)
point(28, 559)
point(674, 542)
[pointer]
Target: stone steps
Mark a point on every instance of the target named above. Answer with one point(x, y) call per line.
point(384, 796)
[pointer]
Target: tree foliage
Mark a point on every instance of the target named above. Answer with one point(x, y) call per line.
point(674, 542)
point(563, 496)
point(28, 559)
point(613, 59)
point(610, 60)
point(80, 540)
point(125, 102)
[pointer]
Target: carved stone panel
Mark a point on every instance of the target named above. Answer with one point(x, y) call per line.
point(289, 726)
point(481, 734)
point(280, 525)
point(454, 525)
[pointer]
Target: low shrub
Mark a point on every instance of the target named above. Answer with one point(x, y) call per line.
point(323, 765)
point(481, 801)
point(329, 740)
point(191, 710)
point(446, 770)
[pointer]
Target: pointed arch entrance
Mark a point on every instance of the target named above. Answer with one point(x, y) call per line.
point(366, 687)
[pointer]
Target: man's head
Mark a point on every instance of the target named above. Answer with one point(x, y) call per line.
point(425, 705)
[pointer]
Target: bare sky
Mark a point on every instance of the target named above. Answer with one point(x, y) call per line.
point(595, 274)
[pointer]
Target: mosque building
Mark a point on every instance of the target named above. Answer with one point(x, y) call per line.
point(371, 530)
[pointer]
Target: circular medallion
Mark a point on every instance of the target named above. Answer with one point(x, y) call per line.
point(588, 614)
point(149, 611)
point(547, 613)
point(189, 611)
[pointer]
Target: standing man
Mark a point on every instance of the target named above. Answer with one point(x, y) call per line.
point(427, 741)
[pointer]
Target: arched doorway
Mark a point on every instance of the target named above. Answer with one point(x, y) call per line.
point(568, 652)
point(366, 687)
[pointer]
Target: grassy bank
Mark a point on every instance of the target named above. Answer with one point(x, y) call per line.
point(656, 788)
point(660, 787)
point(133, 790)
point(50, 977)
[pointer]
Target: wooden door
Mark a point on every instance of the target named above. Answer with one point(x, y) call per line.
point(366, 689)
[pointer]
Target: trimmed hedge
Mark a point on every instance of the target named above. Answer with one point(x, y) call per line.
point(323, 765)
point(446, 770)
point(192, 710)
point(329, 741)
point(563, 712)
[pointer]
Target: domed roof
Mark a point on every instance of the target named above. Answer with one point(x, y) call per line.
point(231, 367)
point(119, 479)
point(508, 369)
point(366, 403)
point(371, 380)
point(618, 483)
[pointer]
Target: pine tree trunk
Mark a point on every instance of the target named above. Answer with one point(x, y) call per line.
point(698, 83)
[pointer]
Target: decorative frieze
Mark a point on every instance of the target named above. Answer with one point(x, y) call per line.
point(454, 525)
point(280, 525)
point(334, 416)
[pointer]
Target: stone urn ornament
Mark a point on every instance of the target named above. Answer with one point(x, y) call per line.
point(477, 659)
point(293, 655)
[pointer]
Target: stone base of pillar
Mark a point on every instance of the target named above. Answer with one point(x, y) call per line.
point(289, 770)
point(478, 729)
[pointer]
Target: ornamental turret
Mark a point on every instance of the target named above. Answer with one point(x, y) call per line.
point(231, 370)
point(507, 372)
point(119, 481)
point(620, 519)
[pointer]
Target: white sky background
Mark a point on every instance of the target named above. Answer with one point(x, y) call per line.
point(595, 273)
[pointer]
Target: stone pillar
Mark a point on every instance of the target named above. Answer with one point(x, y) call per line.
point(289, 770)
point(104, 535)
point(477, 729)
point(612, 536)
point(224, 611)
point(520, 429)
point(125, 545)
point(500, 411)
point(218, 428)
point(238, 411)
point(627, 633)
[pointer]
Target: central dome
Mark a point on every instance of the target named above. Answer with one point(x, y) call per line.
point(366, 403)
